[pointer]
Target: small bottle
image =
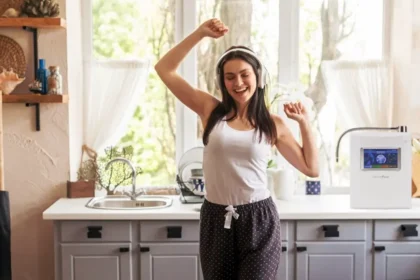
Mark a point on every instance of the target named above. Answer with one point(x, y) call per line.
point(42, 76)
point(55, 81)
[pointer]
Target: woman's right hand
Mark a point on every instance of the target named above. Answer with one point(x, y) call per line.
point(213, 28)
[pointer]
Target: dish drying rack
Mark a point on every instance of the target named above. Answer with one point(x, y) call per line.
point(191, 159)
point(188, 196)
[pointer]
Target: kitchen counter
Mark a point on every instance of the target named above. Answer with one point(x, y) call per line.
point(301, 207)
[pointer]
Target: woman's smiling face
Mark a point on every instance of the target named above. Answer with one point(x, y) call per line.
point(240, 80)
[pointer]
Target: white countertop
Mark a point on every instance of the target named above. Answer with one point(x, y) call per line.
point(301, 207)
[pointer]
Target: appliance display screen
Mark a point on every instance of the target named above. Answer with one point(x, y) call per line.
point(381, 158)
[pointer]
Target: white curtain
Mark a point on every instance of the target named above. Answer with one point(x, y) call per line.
point(362, 94)
point(111, 94)
point(289, 93)
point(361, 90)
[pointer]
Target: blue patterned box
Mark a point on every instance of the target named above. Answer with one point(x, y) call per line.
point(313, 187)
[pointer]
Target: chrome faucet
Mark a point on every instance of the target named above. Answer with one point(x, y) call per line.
point(133, 194)
point(400, 128)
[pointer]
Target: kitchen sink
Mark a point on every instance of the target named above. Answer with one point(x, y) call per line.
point(125, 203)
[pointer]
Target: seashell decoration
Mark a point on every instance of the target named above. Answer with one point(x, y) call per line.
point(9, 80)
point(35, 86)
point(10, 13)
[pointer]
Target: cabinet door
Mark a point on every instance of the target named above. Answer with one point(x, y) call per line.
point(396, 260)
point(162, 261)
point(283, 270)
point(330, 260)
point(96, 261)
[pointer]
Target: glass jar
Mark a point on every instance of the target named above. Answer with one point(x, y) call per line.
point(55, 81)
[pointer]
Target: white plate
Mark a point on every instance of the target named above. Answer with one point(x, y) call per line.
point(194, 155)
point(191, 159)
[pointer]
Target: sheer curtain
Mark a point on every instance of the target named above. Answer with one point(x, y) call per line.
point(111, 93)
point(361, 90)
point(362, 94)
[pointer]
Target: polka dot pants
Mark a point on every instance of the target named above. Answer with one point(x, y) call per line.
point(249, 250)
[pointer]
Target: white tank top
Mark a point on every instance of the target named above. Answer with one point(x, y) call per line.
point(234, 166)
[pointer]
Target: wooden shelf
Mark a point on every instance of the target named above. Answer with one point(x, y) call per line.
point(33, 22)
point(35, 98)
point(32, 25)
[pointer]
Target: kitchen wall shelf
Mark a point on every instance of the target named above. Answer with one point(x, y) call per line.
point(35, 98)
point(33, 22)
point(32, 25)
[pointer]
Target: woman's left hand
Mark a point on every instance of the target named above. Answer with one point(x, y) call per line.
point(296, 111)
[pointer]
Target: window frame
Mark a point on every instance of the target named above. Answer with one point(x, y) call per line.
point(185, 23)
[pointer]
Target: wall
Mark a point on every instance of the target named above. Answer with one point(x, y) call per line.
point(37, 164)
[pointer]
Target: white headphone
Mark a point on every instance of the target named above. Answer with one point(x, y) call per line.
point(262, 73)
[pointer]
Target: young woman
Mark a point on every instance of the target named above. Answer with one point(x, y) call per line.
point(239, 223)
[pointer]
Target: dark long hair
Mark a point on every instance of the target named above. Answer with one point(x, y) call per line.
point(258, 115)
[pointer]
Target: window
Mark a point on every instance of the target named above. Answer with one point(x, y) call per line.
point(335, 30)
point(288, 35)
point(136, 29)
point(252, 23)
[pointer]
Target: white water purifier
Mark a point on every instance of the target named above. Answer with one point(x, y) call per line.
point(380, 168)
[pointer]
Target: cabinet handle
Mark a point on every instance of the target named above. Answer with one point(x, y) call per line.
point(174, 232)
point(331, 231)
point(144, 249)
point(301, 249)
point(283, 248)
point(379, 248)
point(124, 249)
point(409, 230)
point(94, 232)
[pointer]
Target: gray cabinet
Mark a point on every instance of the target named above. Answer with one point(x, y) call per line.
point(127, 250)
point(330, 250)
point(96, 261)
point(286, 269)
point(95, 250)
point(396, 250)
point(169, 250)
point(396, 260)
point(170, 261)
point(283, 271)
point(330, 260)
point(311, 250)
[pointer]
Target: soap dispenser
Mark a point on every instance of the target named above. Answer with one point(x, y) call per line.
point(42, 76)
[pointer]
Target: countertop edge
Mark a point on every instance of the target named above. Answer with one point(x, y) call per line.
point(300, 208)
point(121, 217)
point(148, 217)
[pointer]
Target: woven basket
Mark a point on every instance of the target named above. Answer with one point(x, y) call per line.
point(12, 56)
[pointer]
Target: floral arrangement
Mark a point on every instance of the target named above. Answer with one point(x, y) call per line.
point(118, 173)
